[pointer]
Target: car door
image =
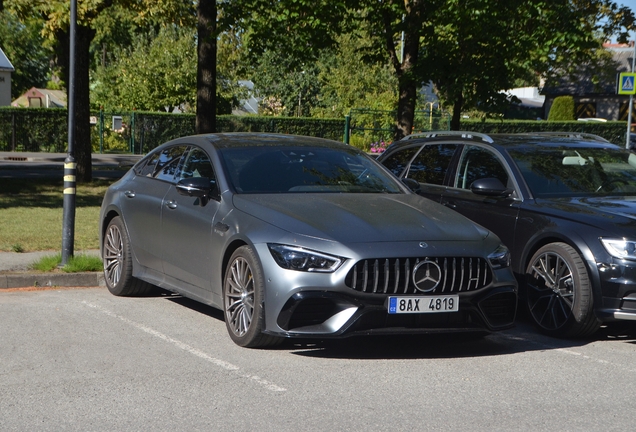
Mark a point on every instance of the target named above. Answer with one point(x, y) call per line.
point(186, 229)
point(498, 214)
point(142, 203)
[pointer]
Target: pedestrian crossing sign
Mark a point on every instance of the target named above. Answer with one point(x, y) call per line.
point(626, 83)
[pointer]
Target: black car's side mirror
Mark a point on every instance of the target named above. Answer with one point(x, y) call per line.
point(412, 184)
point(200, 187)
point(490, 187)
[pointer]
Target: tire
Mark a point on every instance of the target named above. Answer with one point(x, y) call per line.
point(243, 292)
point(559, 292)
point(118, 262)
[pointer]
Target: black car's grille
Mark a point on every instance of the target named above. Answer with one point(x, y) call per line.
point(395, 275)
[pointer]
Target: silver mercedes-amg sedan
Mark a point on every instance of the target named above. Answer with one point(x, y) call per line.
point(300, 237)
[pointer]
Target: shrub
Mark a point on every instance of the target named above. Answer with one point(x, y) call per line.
point(562, 109)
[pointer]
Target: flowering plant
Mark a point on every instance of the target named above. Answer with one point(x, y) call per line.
point(379, 147)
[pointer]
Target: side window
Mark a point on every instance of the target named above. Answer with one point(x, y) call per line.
point(478, 163)
point(168, 163)
point(197, 164)
point(431, 164)
point(400, 159)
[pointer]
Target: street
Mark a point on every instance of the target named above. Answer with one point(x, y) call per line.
point(82, 359)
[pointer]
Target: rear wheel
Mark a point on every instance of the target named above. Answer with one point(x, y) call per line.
point(559, 292)
point(243, 291)
point(118, 262)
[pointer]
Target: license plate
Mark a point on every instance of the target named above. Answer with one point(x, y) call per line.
point(408, 305)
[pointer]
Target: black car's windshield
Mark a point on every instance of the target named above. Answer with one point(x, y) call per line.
point(570, 171)
point(298, 169)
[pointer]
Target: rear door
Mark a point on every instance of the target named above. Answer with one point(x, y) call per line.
point(497, 214)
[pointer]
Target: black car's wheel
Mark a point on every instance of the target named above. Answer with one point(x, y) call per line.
point(559, 292)
point(243, 291)
point(118, 262)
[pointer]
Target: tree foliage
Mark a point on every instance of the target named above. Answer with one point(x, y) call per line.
point(22, 43)
point(157, 73)
point(471, 49)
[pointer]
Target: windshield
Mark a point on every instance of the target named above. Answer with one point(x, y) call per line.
point(570, 171)
point(298, 169)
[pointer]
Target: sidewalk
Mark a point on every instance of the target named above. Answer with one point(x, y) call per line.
point(15, 272)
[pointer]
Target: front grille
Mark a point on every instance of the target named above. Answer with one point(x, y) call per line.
point(395, 275)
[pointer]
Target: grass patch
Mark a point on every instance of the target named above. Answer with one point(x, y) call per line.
point(31, 214)
point(76, 264)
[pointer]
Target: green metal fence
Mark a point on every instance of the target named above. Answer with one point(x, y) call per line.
point(45, 130)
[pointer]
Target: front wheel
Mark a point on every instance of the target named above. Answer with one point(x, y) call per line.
point(118, 262)
point(243, 291)
point(559, 292)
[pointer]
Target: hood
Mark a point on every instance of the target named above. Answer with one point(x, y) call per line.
point(361, 218)
point(614, 209)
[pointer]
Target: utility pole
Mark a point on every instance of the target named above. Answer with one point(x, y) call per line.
point(70, 166)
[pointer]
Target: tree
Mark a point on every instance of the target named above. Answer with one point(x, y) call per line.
point(481, 47)
point(22, 43)
point(156, 74)
point(472, 49)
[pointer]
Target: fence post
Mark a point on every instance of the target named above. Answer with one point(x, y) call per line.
point(13, 131)
point(132, 133)
point(101, 130)
point(345, 139)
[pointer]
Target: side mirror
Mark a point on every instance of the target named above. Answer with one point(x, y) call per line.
point(200, 187)
point(490, 187)
point(412, 184)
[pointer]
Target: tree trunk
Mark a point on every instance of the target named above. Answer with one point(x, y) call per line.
point(457, 112)
point(206, 67)
point(405, 67)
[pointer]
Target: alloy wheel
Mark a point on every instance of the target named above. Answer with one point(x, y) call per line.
point(550, 291)
point(239, 296)
point(113, 255)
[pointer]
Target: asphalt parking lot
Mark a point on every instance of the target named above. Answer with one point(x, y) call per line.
point(82, 359)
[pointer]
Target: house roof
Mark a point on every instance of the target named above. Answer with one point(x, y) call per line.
point(5, 64)
point(592, 80)
point(47, 99)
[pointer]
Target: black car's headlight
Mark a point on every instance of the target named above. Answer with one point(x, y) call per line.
point(620, 248)
point(296, 258)
point(500, 258)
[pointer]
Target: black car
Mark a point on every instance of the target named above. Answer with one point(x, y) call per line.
point(563, 203)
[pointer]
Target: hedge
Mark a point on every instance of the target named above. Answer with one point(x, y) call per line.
point(45, 130)
point(613, 131)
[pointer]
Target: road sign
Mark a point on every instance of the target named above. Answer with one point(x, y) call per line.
point(626, 83)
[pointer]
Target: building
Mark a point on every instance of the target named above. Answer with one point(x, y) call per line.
point(6, 68)
point(41, 98)
point(594, 87)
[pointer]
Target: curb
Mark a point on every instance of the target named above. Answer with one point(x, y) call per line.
point(24, 280)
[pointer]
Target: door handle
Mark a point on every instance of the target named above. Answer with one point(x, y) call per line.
point(449, 204)
point(129, 194)
point(171, 204)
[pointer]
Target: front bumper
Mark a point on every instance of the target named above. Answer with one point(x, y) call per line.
point(334, 314)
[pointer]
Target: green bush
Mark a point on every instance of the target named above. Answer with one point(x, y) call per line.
point(562, 109)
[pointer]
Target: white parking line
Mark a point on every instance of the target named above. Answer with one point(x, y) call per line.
point(185, 347)
point(564, 351)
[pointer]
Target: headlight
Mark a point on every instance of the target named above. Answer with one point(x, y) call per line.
point(620, 248)
point(500, 258)
point(296, 258)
